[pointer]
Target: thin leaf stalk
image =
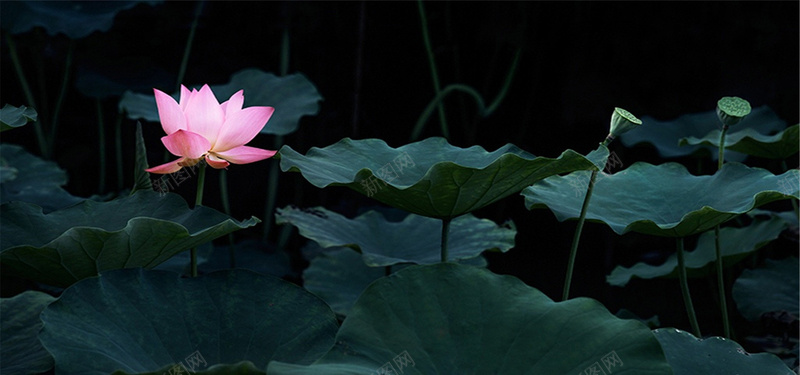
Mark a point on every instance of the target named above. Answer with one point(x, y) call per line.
point(226, 206)
point(118, 150)
point(189, 41)
point(101, 134)
point(573, 251)
point(723, 304)
point(198, 201)
point(26, 89)
point(62, 93)
point(272, 191)
point(576, 238)
point(434, 73)
point(272, 176)
point(423, 118)
point(687, 297)
point(506, 84)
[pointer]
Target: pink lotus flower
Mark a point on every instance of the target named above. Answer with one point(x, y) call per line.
point(200, 127)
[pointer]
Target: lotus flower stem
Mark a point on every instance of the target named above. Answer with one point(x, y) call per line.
point(226, 206)
point(272, 178)
point(721, 156)
point(573, 252)
point(423, 118)
point(445, 235)
point(359, 70)
point(721, 285)
point(432, 63)
point(201, 179)
point(189, 41)
point(723, 304)
point(118, 150)
point(576, 238)
point(483, 110)
point(687, 298)
point(62, 93)
point(37, 125)
point(101, 133)
point(198, 201)
point(504, 90)
point(272, 191)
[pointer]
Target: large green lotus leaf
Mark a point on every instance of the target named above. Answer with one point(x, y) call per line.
point(665, 135)
point(19, 327)
point(416, 239)
point(751, 142)
point(76, 19)
point(13, 117)
point(136, 320)
point(735, 244)
point(293, 96)
point(141, 230)
point(34, 180)
point(454, 319)
point(663, 200)
point(773, 287)
point(140, 106)
point(429, 178)
point(338, 276)
point(714, 356)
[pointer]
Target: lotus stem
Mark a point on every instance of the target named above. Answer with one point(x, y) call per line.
point(189, 41)
point(723, 304)
point(201, 179)
point(272, 191)
point(37, 126)
point(226, 206)
point(62, 93)
point(198, 201)
point(101, 133)
point(721, 156)
point(445, 235)
point(432, 63)
point(573, 252)
point(483, 110)
point(118, 150)
point(504, 90)
point(359, 70)
point(576, 238)
point(272, 178)
point(687, 298)
point(423, 118)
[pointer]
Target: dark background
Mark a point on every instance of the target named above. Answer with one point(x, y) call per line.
point(578, 61)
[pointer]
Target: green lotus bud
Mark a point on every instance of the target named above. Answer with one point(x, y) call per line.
point(621, 122)
point(732, 109)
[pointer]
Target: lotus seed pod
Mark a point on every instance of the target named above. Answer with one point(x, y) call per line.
point(621, 122)
point(732, 109)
